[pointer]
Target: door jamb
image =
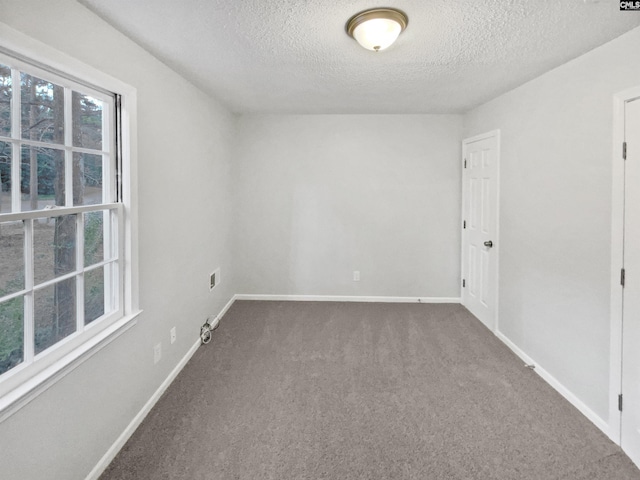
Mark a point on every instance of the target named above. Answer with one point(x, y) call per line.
point(617, 259)
point(482, 136)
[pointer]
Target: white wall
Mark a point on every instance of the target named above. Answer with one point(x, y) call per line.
point(556, 174)
point(184, 140)
point(318, 197)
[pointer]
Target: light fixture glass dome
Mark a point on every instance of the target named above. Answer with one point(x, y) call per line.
point(377, 29)
point(377, 34)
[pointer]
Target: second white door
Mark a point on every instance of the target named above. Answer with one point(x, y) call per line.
point(630, 426)
point(480, 226)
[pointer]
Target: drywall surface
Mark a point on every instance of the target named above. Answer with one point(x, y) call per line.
point(184, 140)
point(555, 215)
point(318, 197)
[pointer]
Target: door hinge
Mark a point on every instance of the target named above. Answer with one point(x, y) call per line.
point(465, 163)
point(464, 283)
point(620, 402)
point(623, 275)
point(624, 150)
point(464, 224)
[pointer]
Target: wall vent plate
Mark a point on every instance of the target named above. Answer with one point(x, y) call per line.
point(214, 279)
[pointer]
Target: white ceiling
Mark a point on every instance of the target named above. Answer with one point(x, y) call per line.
point(293, 56)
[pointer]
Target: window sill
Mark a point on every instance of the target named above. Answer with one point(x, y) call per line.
point(29, 390)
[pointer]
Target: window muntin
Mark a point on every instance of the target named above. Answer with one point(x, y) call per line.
point(61, 270)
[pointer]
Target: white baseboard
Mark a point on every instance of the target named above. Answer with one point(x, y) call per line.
point(560, 388)
point(216, 319)
point(137, 420)
point(546, 376)
point(345, 298)
point(108, 457)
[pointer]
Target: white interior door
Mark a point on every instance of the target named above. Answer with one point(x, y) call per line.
point(480, 226)
point(630, 419)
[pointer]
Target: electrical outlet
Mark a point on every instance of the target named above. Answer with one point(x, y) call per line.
point(172, 334)
point(356, 275)
point(157, 353)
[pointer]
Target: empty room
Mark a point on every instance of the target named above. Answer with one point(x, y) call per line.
point(300, 239)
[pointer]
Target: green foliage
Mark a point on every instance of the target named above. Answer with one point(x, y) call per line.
point(42, 111)
point(93, 237)
point(46, 170)
point(88, 131)
point(11, 332)
point(5, 166)
point(94, 295)
point(93, 253)
point(42, 120)
point(5, 100)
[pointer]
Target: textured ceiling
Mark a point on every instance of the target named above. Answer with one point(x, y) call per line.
point(293, 56)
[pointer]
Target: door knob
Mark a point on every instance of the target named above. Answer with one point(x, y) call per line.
point(488, 243)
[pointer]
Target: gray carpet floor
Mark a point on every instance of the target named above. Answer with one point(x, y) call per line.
point(306, 390)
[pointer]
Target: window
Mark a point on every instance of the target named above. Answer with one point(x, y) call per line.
point(62, 228)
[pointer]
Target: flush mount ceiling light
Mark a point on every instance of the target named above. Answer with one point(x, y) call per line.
point(378, 28)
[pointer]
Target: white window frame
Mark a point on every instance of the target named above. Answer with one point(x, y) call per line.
point(21, 385)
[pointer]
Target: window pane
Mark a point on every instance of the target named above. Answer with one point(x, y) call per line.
point(55, 313)
point(11, 333)
point(54, 247)
point(87, 121)
point(87, 179)
point(12, 258)
point(5, 100)
point(5, 177)
point(42, 110)
point(93, 294)
point(93, 237)
point(42, 182)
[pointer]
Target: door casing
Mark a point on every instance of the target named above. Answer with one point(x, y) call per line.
point(617, 258)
